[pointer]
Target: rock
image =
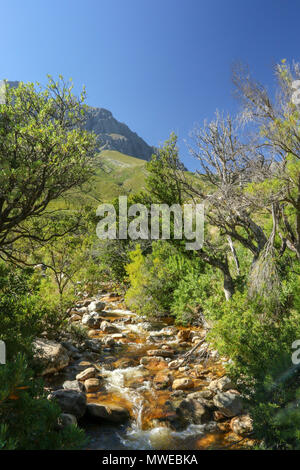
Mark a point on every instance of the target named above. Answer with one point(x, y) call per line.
point(175, 363)
point(229, 403)
point(52, 355)
point(182, 384)
point(93, 344)
point(82, 310)
point(96, 306)
point(92, 320)
point(92, 385)
point(161, 352)
point(206, 394)
point(75, 317)
point(213, 386)
point(154, 362)
point(224, 384)
point(84, 365)
point(192, 411)
point(108, 327)
point(124, 363)
point(86, 374)
point(241, 425)
point(66, 419)
point(108, 341)
point(218, 416)
point(70, 401)
point(73, 385)
point(111, 413)
point(118, 336)
point(92, 333)
point(162, 380)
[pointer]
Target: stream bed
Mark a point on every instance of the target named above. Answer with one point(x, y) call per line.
point(142, 368)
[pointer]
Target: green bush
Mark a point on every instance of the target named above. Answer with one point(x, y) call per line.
point(28, 420)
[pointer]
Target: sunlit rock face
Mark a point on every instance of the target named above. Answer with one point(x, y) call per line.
point(115, 135)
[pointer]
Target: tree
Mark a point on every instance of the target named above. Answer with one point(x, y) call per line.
point(44, 152)
point(278, 123)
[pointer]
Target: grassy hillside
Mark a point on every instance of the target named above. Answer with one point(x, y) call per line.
point(115, 174)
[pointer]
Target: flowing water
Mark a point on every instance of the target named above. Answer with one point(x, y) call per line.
point(127, 383)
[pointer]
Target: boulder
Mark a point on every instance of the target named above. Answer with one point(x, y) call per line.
point(70, 401)
point(52, 355)
point(86, 374)
point(92, 385)
point(229, 403)
point(110, 413)
point(92, 320)
point(108, 327)
point(191, 411)
point(241, 425)
point(183, 384)
point(224, 384)
point(73, 385)
point(96, 306)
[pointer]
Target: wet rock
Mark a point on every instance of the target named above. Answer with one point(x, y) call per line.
point(92, 385)
point(161, 352)
point(70, 401)
point(162, 380)
point(96, 306)
point(241, 425)
point(192, 411)
point(182, 384)
point(108, 327)
point(110, 413)
point(86, 374)
point(73, 385)
point(154, 362)
point(52, 355)
point(229, 403)
point(124, 363)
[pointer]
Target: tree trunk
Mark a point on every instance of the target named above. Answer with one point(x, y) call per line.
point(228, 285)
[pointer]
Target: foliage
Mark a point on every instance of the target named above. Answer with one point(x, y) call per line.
point(28, 420)
point(44, 153)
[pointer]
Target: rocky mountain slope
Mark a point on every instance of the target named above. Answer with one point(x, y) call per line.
point(113, 135)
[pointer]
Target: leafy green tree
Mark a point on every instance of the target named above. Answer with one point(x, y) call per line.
point(44, 152)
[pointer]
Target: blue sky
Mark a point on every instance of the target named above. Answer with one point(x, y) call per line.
point(158, 65)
